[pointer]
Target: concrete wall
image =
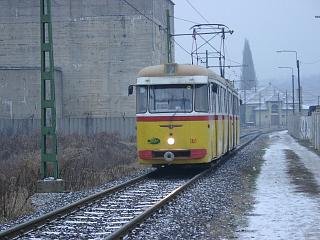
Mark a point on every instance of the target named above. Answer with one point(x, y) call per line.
point(315, 130)
point(20, 92)
point(124, 126)
point(306, 127)
point(99, 45)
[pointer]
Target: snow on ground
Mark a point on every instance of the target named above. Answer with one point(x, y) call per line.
point(286, 207)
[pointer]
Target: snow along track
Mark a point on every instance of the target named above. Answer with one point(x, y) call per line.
point(112, 213)
point(101, 218)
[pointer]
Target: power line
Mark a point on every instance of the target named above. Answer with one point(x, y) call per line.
point(182, 47)
point(185, 20)
point(311, 62)
point(141, 13)
point(87, 17)
point(227, 55)
point(196, 10)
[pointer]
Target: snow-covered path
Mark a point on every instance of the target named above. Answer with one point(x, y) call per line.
point(287, 193)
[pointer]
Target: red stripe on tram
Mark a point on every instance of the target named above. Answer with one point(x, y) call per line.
point(172, 118)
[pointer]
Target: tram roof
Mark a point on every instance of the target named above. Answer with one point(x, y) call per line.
point(174, 69)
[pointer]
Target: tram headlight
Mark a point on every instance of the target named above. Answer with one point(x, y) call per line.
point(170, 141)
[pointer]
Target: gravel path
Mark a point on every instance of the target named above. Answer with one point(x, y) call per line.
point(215, 206)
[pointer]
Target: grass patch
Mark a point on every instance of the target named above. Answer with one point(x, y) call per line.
point(85, 162)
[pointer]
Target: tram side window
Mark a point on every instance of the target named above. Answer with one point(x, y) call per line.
point(238, 106)
point(221, 100)
point(228, 103)
point(225, 101)
point(201, 98)
point(232, 104)
point(214, 88)
point(235, 106)
point(141, 99)
point(227, 107)
point(229, 110)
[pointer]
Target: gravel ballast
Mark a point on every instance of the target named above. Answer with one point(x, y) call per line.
point(47, 202)
point(212, 208)
point(215, 206)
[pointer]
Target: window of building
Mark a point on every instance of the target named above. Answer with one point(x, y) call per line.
point(274, 108)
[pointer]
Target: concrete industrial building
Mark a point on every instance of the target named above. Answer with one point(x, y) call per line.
point(99, 46)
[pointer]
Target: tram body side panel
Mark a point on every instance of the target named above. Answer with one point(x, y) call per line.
point(238, 129)
point(225, 132)
point(234, 133)
point(230, 137)
point(213, 137)
point(229, 133)
point(219, 135)
point(188, 135)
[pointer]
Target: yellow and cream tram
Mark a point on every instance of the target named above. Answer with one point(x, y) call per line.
point(186, 114)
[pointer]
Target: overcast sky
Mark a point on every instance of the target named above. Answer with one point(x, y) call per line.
point(269, 25)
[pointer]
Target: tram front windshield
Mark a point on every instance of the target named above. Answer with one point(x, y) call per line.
point(171, 98)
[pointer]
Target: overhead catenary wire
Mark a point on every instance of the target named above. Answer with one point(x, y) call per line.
point(185, 20)
point(141, 13)
point(227, 56)
point(309, 63)
point(206, 41)
point(125, 1)
point(197, 11)
point(186, 51)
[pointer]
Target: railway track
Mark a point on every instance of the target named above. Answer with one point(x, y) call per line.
point(113, 213)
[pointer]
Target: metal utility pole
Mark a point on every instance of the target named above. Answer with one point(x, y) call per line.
point(286, 109)
point(298, 68)
point(299, 86)
point(207, 59)
point(293, 101)
point(245, 107)
point(169, 49)
point(48, 108)
point(292, 79)
point(259, 109)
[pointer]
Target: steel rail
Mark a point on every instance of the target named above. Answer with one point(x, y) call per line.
point(125, 229)
point(118, 234)
point(250, 133)
point(42, 220)
point(23, 228)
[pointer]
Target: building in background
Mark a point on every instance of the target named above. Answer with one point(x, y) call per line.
point(248, 79)
point(99, 47)
point(267, 106)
